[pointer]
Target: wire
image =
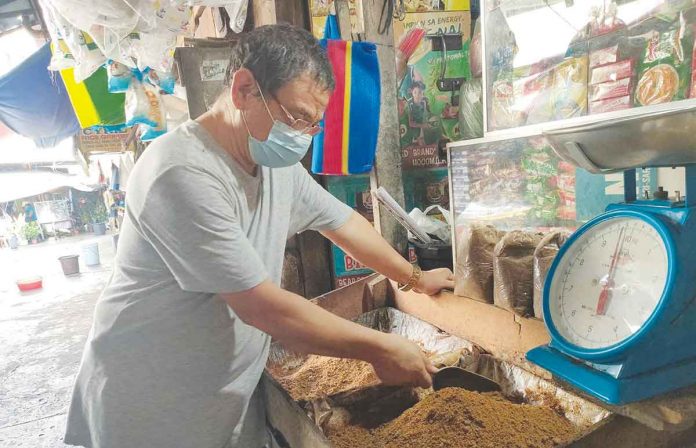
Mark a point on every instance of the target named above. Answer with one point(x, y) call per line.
point(385, 20)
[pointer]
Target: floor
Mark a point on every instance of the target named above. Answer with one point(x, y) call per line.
point(41, 337)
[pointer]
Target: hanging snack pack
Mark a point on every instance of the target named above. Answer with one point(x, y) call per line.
point(665, 69)
point(513, 272)
point(119, 77)
point(544, 255)
point(569, 88)
point(474, 270)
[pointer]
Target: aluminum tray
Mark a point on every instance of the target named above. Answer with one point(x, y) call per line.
point(300, 423)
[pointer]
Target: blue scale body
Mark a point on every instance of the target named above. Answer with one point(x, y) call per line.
point(661, 356)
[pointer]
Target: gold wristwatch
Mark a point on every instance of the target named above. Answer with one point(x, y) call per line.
point(413, 281)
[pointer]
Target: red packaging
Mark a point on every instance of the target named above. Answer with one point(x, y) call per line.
point(604, 56)
point(612, 72)
point(610, 105)
point(611, 89)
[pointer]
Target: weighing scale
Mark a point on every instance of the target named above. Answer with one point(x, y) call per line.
point(620, 297)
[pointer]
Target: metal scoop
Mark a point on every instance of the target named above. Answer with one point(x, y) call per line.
point(458, 377)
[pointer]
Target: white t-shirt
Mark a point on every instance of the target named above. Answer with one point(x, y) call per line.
point(167, 363)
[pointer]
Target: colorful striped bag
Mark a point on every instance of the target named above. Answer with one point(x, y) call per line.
point(348, 142)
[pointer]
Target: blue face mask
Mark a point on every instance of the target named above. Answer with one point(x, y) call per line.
point(284, 146)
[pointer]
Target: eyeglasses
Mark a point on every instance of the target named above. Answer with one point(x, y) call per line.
point(299, 124)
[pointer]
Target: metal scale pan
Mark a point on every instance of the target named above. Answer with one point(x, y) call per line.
point(665, 136)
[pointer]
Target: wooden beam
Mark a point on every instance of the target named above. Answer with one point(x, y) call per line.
point(264, 12)
point(387, 171)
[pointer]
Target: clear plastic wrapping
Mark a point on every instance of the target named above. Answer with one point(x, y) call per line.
point(513, 272)
point(544, 255)
point(475, 253)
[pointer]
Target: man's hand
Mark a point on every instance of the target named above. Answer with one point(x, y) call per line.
point(432, 282)
point(402, 362)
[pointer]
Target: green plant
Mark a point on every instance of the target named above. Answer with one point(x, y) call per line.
point(100, 215)
point(31, 231)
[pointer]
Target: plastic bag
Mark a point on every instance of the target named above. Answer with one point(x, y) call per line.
point(144, 105)
point(72, 43)
point(665, 69)
point(544, 255)
point(157, 119)
point(164, 80)
point(475, 254)
point(119, 77)
point(431, 225)
point(471, 109)
point(513, 272)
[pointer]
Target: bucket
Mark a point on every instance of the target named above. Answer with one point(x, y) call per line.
point(99, 228)
point(433, 256)
point(70, 264)
point(91, 254)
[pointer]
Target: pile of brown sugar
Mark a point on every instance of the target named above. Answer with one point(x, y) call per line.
point(459, 418)
point(321, 376)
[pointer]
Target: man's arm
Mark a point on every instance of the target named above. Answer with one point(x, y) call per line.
point(305, 327)
point(360, 239)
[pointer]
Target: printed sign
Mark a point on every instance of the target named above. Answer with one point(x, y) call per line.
point(214, 70)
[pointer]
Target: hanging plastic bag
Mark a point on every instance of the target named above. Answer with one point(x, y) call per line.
point(431, 225)
point(164, 80)
point(119, 77)
point(471, 109)
point(73, 43)
point(348, 142)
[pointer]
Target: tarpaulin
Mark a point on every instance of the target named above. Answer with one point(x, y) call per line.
point(34, 103)
point(23, 184)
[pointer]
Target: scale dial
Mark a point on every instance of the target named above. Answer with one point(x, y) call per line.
point(608, 282)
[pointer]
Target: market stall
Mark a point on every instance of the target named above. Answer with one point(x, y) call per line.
point(518, 132)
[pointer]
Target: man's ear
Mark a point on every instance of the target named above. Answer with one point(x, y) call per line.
point(243, 88)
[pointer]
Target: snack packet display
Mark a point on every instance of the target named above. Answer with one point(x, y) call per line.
point(569, 88)
point(612, 72)
point(604, 56)
point(665, 69)
point(611, 89)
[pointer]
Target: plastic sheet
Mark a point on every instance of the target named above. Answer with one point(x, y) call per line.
point(544, 255)
point(513, 272)
point(471, 109)
point(475, 253)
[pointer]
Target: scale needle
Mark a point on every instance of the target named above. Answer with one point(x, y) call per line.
point(604, 295)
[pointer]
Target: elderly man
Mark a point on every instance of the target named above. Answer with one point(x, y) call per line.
point(182, 331)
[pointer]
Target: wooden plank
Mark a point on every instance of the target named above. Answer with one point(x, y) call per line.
point(264, 12)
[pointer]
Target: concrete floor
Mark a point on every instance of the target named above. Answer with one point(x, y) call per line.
point(41, 337)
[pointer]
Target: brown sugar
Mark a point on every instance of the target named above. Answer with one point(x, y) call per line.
point(321, 376)
point(459, 418)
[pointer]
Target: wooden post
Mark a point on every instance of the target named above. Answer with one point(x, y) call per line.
point(264, 12)
point(387, 171)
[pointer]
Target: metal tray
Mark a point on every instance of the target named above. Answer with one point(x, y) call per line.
point(663, 137)
point(300, 423)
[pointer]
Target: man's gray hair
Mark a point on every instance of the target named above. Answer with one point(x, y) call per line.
point(278, 54)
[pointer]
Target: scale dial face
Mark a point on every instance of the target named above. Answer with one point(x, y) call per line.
point(608, 283)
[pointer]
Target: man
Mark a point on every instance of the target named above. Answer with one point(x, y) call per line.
point(418, 112)
point(181, 334)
